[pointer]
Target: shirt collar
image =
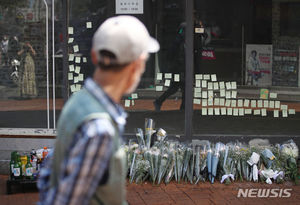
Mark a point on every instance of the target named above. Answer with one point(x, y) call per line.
point(115, 111)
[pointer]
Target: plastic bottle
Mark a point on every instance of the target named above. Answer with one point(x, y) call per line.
point(45, 152)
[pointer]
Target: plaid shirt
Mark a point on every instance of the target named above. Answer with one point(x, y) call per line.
point(87, 163)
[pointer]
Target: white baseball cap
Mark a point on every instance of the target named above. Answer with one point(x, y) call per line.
point(126, 37)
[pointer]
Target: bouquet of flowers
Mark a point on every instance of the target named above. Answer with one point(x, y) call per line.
point(149, 130)
point(227, 165)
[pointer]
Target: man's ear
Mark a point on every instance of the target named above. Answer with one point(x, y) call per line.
point(94, 57)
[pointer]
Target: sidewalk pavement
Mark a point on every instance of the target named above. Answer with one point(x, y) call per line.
point(173, 193)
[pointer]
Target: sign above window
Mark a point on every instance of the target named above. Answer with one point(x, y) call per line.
point(129, 6)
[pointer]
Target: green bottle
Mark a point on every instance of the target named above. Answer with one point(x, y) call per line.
point(29, 169)
point(11, 164)
point(17, 168)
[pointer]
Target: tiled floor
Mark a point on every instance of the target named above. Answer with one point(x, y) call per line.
point(185, 194)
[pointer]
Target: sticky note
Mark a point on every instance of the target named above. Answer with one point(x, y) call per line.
point(197, 101)
point(264, 94)
point(70, 76)
point(246, 103)
point(206, 77)
point(204, 94)
point(266, 103)
point(198, 76)
point(253, 103)
point(273, 95)
point(228, 94)
point(223, 111)
point(210, 102)
point(217, 111)
point(73, 88)
point(197, 90)
point(277, 104)
point(233, 103)
point(284, 113)
point(222, 102)
point(80, 77)
point(256, 112)
point(204, 111)
point(76, 80)
point(71, 30)
point(77, 60)
point(204, 102)
point(159, 76)
point(240, 103)
point(71, 68)
point(127, 103)
point(222, 85)
point(283, 107)
point(213, 77)
point(77, 69)
point(204, 84)
point(248, 111)
point(229, 111)
point(216, 86)
point(271, 104)
point(228, 103)
point(89, 25)
point(234, 94)
point(276, 113)
point(78, 87)
point(167, 83)
point(198, 83)
point(241, 112)
point(210, 94)
point(71, 57)
point(217, 102)
point(76, 48)
point(209, 86)
point(292, 112)
point(264, 112)
point(159, 88)
point(233, 85)
point(197, 95)
point(228, 86)
point(176, 77)
point(71, 40)
point(259, 103)
point(235, 112)
point(84, 59)
point(222, 93)
point(168, 75)
point(210, 111)
point(134, 96)
point(132, 102)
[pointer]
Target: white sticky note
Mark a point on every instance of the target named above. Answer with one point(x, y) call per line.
point(159, 76)
point(217, 102)
point(241, 112)
point(204, 94)
point(204, 84)
point(233, 103)
point(71, 68)
point(167, 83)
point(276, 113)
point(284, 107)
point(204, 103)
point(213, 77)
point(253, 103)
point(204, 111)
point(292, 112)
point(77, 60)
point(284, 113)
point(229, 111)
point(84, 59)
point(222, 85)
point(210, 102)
point(277, 104)
point(223, 111)
point(76, 48)
point(206, 77)
point(197, 95)
point(177, 78)
point(246, 103)
point(228, 94)
point(222, 102)
point(78, 87)
point(198, 76)
point(198, 83)
point(168, 75)
point(71, 30)
point(271, 104)
point(233, 85)
point(71, 57)
point(273, 95)
point(216, 86)
point(266, 103)
point(197, 101)
point(134, 96)
point(256, 112)
point(217, 111)
point(210, 111)
point(228, 103)
point(73, 88)
point(209, 85)
point(259, 103)
point(89, 25)
point(159, 88)
point(228, 86)
point(235, 112)
point(70, 76)
point(132, 102)
point(80, 77)
point(71, 40)
point(210, 94)
point(222, 93)
point(234, 94)
point(197, 90)
point(127, 103)
point(264, 112)
point(77, 69)
point(248, 111)
point(240, 103)
point(76, 79)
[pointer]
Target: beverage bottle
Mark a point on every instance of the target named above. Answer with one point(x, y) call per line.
point(39, 162)
point(29, 169)
point(45, 152)
point(11, 164)
point(17, 168)
point(23, 164)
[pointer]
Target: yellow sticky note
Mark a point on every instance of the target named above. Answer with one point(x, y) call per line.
point(217, 111)
point(70, 76)
point(204, 84)
point(204, 111)
point(70, 40)
point(204, 102)
point(71, 68)
point(229, 111)
point(76, 48)
point(71, 30)
point(197, 101)
point(80, 77)
point(71, 57)
point(77, 60)
point(177, 78)
point(89, 25)
point(77, 69)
